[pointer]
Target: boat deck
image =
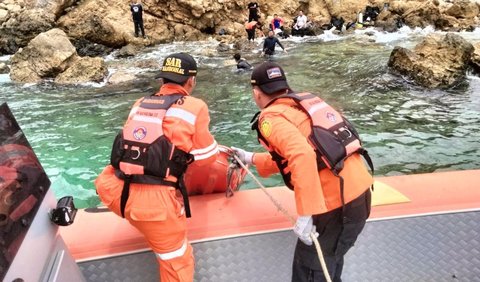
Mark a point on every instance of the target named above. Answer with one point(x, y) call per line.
point(433, 237)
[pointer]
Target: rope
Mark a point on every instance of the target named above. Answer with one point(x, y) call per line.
point(290, 217)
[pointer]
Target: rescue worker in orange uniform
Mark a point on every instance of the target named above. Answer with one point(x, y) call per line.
point(285, 129)
point(154, 208)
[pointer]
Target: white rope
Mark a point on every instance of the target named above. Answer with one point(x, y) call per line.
point(289, 216)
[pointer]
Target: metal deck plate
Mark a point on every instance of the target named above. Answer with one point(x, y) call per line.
point(427, 248)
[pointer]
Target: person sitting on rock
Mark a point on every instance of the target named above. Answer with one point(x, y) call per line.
point(277, 26)
point(337, 23)
point(300, 26)
point(276, 23)
point(371, 14)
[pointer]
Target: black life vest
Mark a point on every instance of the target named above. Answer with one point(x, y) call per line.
point(333, 137)
point(141, 153)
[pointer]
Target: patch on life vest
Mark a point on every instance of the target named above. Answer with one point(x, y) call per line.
point(139, 133)
point(274, 72)
point(266, 128)
point(331, 117)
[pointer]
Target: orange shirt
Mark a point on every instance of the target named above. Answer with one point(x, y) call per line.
point(286, 127)
point(250, 25)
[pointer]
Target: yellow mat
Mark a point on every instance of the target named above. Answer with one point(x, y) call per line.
point(384, 194)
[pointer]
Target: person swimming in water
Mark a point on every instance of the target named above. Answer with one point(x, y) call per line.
point(242, 64)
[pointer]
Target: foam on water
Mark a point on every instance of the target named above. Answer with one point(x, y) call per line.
point(5, 78)
point(328, 35)
point(403, 33)
point(5, 58)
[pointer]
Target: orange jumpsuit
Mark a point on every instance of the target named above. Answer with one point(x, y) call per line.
point(286, 127)
point(154, 209)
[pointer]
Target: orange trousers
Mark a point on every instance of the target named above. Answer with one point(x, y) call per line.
point(155, 211)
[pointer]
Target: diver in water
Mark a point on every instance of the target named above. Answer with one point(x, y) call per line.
point(242, 64)
point(269, 44)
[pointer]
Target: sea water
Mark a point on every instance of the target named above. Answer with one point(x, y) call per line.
point(406, 128)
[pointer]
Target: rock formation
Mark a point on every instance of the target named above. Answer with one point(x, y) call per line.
point(50, 54)
point(45, 56)
point(109, 22)
point(84, 69)
point(4, 68)
point(96, 27)
point(475, 62)
point(438, 61)
point(22, 20)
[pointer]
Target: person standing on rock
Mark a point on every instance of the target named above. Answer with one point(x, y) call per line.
point(250, 28)
point(252, 11)
point(137, 14)
point(300, 26)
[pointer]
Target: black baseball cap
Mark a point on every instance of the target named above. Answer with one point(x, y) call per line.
point(270, 77)
point(178, 67)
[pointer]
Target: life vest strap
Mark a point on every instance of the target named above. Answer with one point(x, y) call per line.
point(369, 161)
point(144, 179)
point(148, 179)
point(186, 203)
point(125, 194)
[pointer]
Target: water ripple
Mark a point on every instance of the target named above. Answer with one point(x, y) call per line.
point(407, 129)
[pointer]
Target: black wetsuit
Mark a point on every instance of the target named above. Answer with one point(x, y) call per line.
point(137, 14)
point(269, 45)
point(242, 64)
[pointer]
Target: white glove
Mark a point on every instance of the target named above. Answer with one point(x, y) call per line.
point(244, 156)
point(303, 227)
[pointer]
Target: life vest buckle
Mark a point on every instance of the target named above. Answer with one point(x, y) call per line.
point(346, 133)
point(138, 153)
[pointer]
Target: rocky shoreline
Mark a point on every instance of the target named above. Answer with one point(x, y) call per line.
point(109, 23)
point(95, 28)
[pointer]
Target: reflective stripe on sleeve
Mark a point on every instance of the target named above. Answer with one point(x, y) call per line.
point(204, 150)
point(204, 153)
point(181, 114)
point(175, 254)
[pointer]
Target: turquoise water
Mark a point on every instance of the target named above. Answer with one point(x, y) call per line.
point(407, 129)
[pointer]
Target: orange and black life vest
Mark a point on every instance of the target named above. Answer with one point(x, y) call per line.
point(141, 153)
point(333, 137)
